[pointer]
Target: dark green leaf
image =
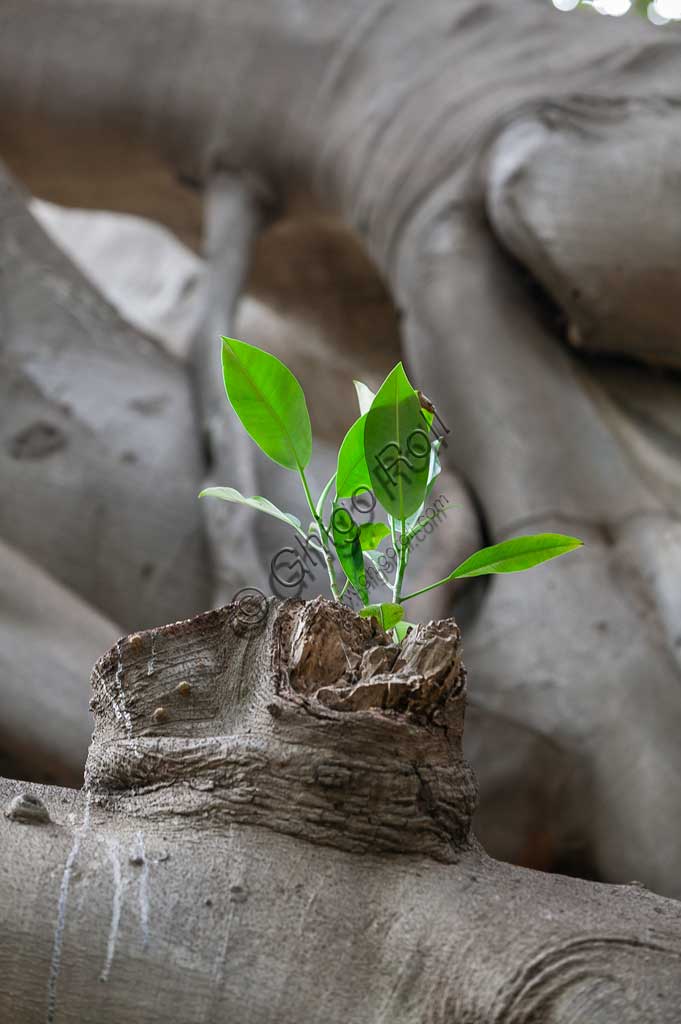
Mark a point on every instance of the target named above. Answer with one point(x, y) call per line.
point(397, 447)
point(515, 555)
point(269, 401)
point(434, 470)
point(388, 615)
point(345, 533)
point(260, 504)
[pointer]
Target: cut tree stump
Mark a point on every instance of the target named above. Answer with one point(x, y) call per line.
point(276, 827)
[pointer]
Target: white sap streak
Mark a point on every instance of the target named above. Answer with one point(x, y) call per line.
point(55, 962)
point(114, 703)
point(123, 711)
point(144, 891)
point(120, 706)
point(222, 956)
point(150, 662)
point(115, 909)
point(234, 858)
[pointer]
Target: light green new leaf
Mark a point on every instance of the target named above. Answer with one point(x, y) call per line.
point(402, 628)
point(397, 446)
point(371, 535)
point(515, 555)
point(269, 401)
point(388, 615)
point(428, 418)
point(352, 474)
point(349, 550)
point(260, 504)
point(365, 396)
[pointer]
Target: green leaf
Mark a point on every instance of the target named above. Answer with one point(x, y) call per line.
point(323, 496)
point(427, 415)
point(260, 504)
point(352, 473)
point(371, 535)
point(515, 555)
point(434, 470)
point(388, 615)
point(269, 401)
point(402, 628)
point(397, 446)
point(365, 396)
point(349, 550)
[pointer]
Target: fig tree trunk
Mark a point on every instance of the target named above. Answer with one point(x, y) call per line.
point(477, 150)
point(276, 827)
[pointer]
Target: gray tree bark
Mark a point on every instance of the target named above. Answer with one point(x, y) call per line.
point(434, 139)
point(278, 829)
point(100, 460)
point(100, 466)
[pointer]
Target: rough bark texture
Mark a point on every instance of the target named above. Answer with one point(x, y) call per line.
point(435, 137)
point(255, 855)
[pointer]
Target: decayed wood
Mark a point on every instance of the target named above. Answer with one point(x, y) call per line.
point(256, 855)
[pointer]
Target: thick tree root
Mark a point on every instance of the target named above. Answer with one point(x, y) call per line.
point(100, 461)
point(414, 131)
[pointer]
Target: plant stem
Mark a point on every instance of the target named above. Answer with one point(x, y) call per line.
point(419, 526)
point(425, 590)
point(404, 551)
point(323, 496)
point(384, 579)
point(323, 537)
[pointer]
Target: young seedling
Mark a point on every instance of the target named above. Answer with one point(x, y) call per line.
point(390, 450)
